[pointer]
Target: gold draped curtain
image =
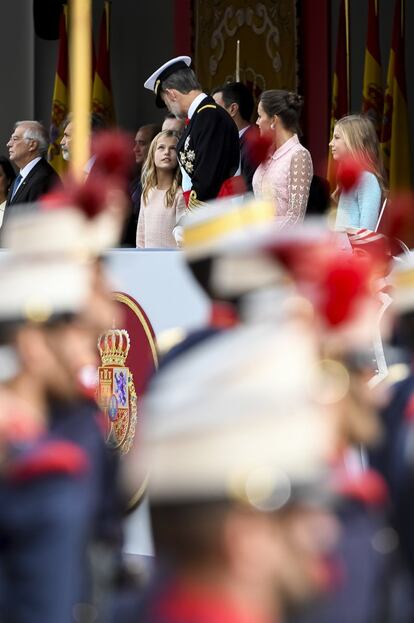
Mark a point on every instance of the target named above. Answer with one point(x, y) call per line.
point(268, 43)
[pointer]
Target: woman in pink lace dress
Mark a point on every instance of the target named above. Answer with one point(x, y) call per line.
point(286, 175)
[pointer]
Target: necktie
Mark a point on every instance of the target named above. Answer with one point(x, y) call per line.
point(16, 184)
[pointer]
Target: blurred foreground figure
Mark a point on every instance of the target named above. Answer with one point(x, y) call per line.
point(60, 525)
point(304, 273)
point(44, 498)
point(237, 466)
point(394, 456)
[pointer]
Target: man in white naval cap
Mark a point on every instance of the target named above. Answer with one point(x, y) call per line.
point(235, 458)
point(208, 150)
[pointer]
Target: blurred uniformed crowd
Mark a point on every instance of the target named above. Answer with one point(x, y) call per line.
point(277, 441)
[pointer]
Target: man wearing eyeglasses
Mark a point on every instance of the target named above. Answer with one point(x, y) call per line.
point(27, 150)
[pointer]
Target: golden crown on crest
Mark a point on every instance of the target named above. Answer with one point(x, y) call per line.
point(113, 346)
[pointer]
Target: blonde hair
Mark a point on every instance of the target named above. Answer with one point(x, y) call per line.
point(149, 172)
point(361, 141)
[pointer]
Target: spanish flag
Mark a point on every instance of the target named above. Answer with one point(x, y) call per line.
point(373, 90)
point(395, 140)
point(102, 103)
point(60, 99)
point(340, 84)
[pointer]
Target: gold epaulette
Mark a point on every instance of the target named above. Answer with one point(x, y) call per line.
point(193, 202)
point(206, 106)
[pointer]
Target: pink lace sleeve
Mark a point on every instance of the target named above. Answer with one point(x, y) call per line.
point(300, 177)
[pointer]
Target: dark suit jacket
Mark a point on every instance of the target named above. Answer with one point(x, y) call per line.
point(129, 235)
point(41, 179)
point(248, 167)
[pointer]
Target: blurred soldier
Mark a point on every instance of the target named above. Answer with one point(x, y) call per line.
point(208, 151)
point(272, 277)
point(53, 253)
point(236, 462)
point(45, 522)
point(394, 456)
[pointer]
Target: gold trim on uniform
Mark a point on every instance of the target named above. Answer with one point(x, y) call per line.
point(206, 106)
point(193, 202)
point(404, 279)
point(199, 233)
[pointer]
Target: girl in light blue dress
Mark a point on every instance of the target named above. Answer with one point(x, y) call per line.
point(359, 207)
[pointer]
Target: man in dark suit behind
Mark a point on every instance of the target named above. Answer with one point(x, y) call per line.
point(237, 99)
point(27, 149)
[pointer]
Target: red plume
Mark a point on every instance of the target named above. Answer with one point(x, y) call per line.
point(232, 187)
point(349, 172)
point(344, 284)
point(89, 196)
point(335, 282)
point(258, 146)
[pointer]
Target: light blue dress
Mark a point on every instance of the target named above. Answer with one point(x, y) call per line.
point(359, 208)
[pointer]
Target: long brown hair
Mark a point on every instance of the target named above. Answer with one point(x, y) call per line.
point(149, 172)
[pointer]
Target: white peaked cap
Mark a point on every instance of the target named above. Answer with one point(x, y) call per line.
point(236, 417)
point(154, 82)
point(45, 269)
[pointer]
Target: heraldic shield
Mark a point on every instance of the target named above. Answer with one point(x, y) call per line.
point(128, 360)
point(116, 393)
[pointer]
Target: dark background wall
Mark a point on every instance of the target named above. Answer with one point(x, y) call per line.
point(143, 37)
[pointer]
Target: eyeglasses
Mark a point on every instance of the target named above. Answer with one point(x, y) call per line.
point(15, 139)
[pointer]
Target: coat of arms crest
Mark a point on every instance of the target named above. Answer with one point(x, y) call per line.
point(116, 392)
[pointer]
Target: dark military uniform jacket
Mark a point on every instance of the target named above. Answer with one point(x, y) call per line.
point(43, 528)
point(208, 152)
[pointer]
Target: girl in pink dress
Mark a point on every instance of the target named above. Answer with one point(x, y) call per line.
point(162, 201)
point(285, 176)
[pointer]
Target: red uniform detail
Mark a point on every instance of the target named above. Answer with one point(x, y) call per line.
point(233, 186)
point(181, 604)
point(56, 457)
point(368, 487)
point(223, 315)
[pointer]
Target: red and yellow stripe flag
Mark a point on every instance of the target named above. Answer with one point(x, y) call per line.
point(395, 140)
point(102, 102)
point(340, 84)
point(60, 100)
point(373, 90)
